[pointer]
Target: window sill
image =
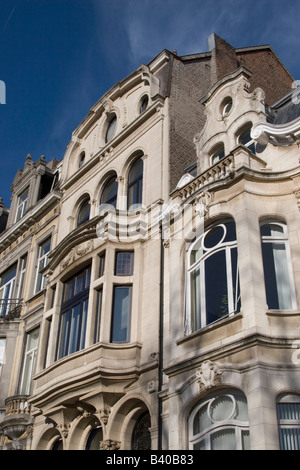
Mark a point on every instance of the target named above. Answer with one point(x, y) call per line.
point(212, 326)
point(282, 313)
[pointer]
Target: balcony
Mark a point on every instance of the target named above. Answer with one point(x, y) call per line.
point(10, 308)
point(17, 418)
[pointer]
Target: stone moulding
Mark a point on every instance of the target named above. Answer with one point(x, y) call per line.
point(280, 135)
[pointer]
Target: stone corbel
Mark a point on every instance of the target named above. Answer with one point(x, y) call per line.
point(110, 445)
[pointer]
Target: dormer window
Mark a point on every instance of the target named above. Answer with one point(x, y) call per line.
point(144, 104)
point(22, 204)
point(111, 128)
point(226, 106)
point(245, 139)
point(217, 154)
point(81, 159)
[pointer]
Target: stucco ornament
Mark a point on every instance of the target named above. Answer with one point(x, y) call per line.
point(208, 374)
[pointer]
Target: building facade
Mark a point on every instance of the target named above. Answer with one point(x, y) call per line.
point(149, 279)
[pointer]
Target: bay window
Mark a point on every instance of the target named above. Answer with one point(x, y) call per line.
point(74, 309)
point(213, 289)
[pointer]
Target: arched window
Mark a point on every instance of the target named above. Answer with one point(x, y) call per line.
point(94, 439)
point(244, 138)
point(213, 289)
point(217, 154)
point(81, 159)
point(278, 274)
point(111, 128)
point(110, 192)
point(220, 422)
point(288, 415)
point(144, 103)
point(141, 438)
point(84, 212)
point(135, 183)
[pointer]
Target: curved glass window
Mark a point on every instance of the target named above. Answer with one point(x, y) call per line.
point(277, 266)
point(110, 192)
point(84, 212)
point(135, 183)
point(288, 414)
point(213, 289)
point(220, 422)
point(111, 129)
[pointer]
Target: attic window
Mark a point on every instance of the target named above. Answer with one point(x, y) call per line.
point(81, 159)
point(226, 106)
point(143, 104)
point(111, 128)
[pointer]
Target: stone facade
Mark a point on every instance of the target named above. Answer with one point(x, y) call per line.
point(146, 317)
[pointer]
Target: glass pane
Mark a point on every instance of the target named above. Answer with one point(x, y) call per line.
point(84, 212)
point(32, 339)
point(111, 129)
point(289, 411)
point(64, 333)
point(200, 445)
point(289, 438)
point(109, 195)
point(216, 287)
point(201, 420)
point(223, 440)
point(8, 275)
point(95, 439)
point(277, 283)
point(235, 281)
point(222, 408)
point(195, 300)
point(241, 408)
point(121, 314)
point(124, 263)
point(135, 183)
point(213, 237)
point(271, 230)
point(245, 440)
point(98, 316)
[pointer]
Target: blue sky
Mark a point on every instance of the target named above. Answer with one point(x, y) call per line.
point(58, 57)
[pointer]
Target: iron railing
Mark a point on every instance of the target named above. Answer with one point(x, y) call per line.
point(10, 308)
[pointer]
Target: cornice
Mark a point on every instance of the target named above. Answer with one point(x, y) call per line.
point(279, 135)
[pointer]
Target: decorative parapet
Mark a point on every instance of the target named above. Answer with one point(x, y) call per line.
point(280, 135)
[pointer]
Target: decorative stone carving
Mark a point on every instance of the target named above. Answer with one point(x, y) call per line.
point(104, 415)
point(77, 252)
point(208, 374)
point(110, 445)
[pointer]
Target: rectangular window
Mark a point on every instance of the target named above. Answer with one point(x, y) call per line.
point(121, 314)
point(42, 261)
point(22, 203)
point(22, 271)
point(2, 353)
point(124, 263)
point(7, 288)
point(74, 314)
point(29, 361)
point(101, 264)
point(98, 316)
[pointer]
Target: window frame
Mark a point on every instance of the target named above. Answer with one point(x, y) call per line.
point(284, 240)
point(41, 263)
point(196, 321)
point(230, 422)
point(85, 218)
point(22, 204)
point(72, 335)
point(287, 424)
point(112, 181)
point(135, 184)
point(30, 356)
